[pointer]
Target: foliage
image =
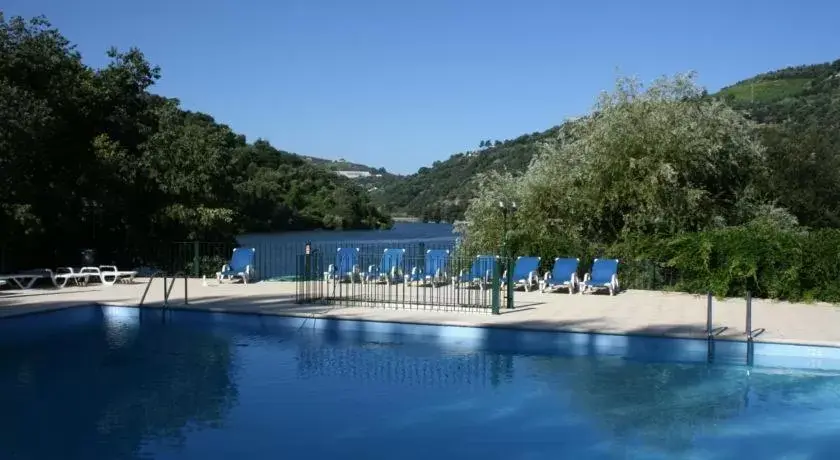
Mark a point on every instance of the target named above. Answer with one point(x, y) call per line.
point(767, 260)
point(675, 184)
point(654, 161)
point(90, 158)
point(801, 134)
point(797, 108)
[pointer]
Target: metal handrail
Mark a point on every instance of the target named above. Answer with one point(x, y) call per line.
point(167, 287)
point(172, 285)
point(149, 284)
point(748, 327)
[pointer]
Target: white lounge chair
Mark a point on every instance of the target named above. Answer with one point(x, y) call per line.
point(109, 274)
point(26, 279)
point(64, 275)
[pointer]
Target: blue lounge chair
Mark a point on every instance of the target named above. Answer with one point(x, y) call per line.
point(480, 273)
point(390, 269)
point(562, 275)
point(524, 273)
point(346, 266)
point(241, 265)
point(604, 275)
point(434, 270)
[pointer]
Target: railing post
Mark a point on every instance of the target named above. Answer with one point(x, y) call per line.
point(709, 315)
point(196, 259)
point(509, 281)
point(186, 298)
point(495, 297)
point(749, 316)
point(165, 295)
point(307, 261)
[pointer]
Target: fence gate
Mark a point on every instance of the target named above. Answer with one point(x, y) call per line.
point(389, 279)
point(309, 279)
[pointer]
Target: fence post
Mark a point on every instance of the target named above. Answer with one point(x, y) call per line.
point(709, 315)
point(749, 317)
point(496, 287)
point(509, 281)
point(196, 260)
point(307, 261)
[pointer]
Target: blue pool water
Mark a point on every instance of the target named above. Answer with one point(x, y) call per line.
point(124, 383)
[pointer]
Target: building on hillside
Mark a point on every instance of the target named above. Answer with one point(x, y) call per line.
point(354, 174)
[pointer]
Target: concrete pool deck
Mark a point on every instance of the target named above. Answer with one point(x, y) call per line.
point(630, 312)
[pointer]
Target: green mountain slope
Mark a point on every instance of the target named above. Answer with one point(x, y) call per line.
point(798, 107)
point(443, 191)
point(371, 179)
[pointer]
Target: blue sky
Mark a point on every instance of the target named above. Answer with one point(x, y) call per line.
point(400, 83)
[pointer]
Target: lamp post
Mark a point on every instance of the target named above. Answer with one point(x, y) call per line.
point(307, 262)
point(508, 210)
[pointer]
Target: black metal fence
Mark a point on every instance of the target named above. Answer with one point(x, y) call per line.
point(278, 261)
point(411, 282)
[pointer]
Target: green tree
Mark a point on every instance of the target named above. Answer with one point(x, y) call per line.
point(90, 158)
point(657, 161)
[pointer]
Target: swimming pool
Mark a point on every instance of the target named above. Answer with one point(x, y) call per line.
point(126, 383)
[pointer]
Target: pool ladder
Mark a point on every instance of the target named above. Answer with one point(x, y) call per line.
point(711, 332)
point(167, 287)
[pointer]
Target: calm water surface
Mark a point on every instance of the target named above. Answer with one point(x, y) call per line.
point(202, 386)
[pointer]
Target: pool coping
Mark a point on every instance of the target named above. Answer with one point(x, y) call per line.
point(530, 340)
point(559, 330)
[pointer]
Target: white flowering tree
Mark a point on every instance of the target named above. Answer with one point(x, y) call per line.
point(657, 160)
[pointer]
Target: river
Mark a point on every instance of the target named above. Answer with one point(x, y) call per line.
point(277, 254)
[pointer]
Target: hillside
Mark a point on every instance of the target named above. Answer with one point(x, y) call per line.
point(798, 106)
point(91, 158)
point(442, 191)
point(799, 109)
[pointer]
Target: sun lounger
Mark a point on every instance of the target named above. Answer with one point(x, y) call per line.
point(434, 271)
point(108, 275)
point(562, 275)
point(63, 275)
point(604, 275)
point(480, 273)
point(524, 273)
point(241, 265)
point(346, 266)
point(390, 269)
point(25, 279)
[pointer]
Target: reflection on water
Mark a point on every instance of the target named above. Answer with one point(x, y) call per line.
point(378, 363)
point(680, 408)
point(193, 386)
point(98, 392)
